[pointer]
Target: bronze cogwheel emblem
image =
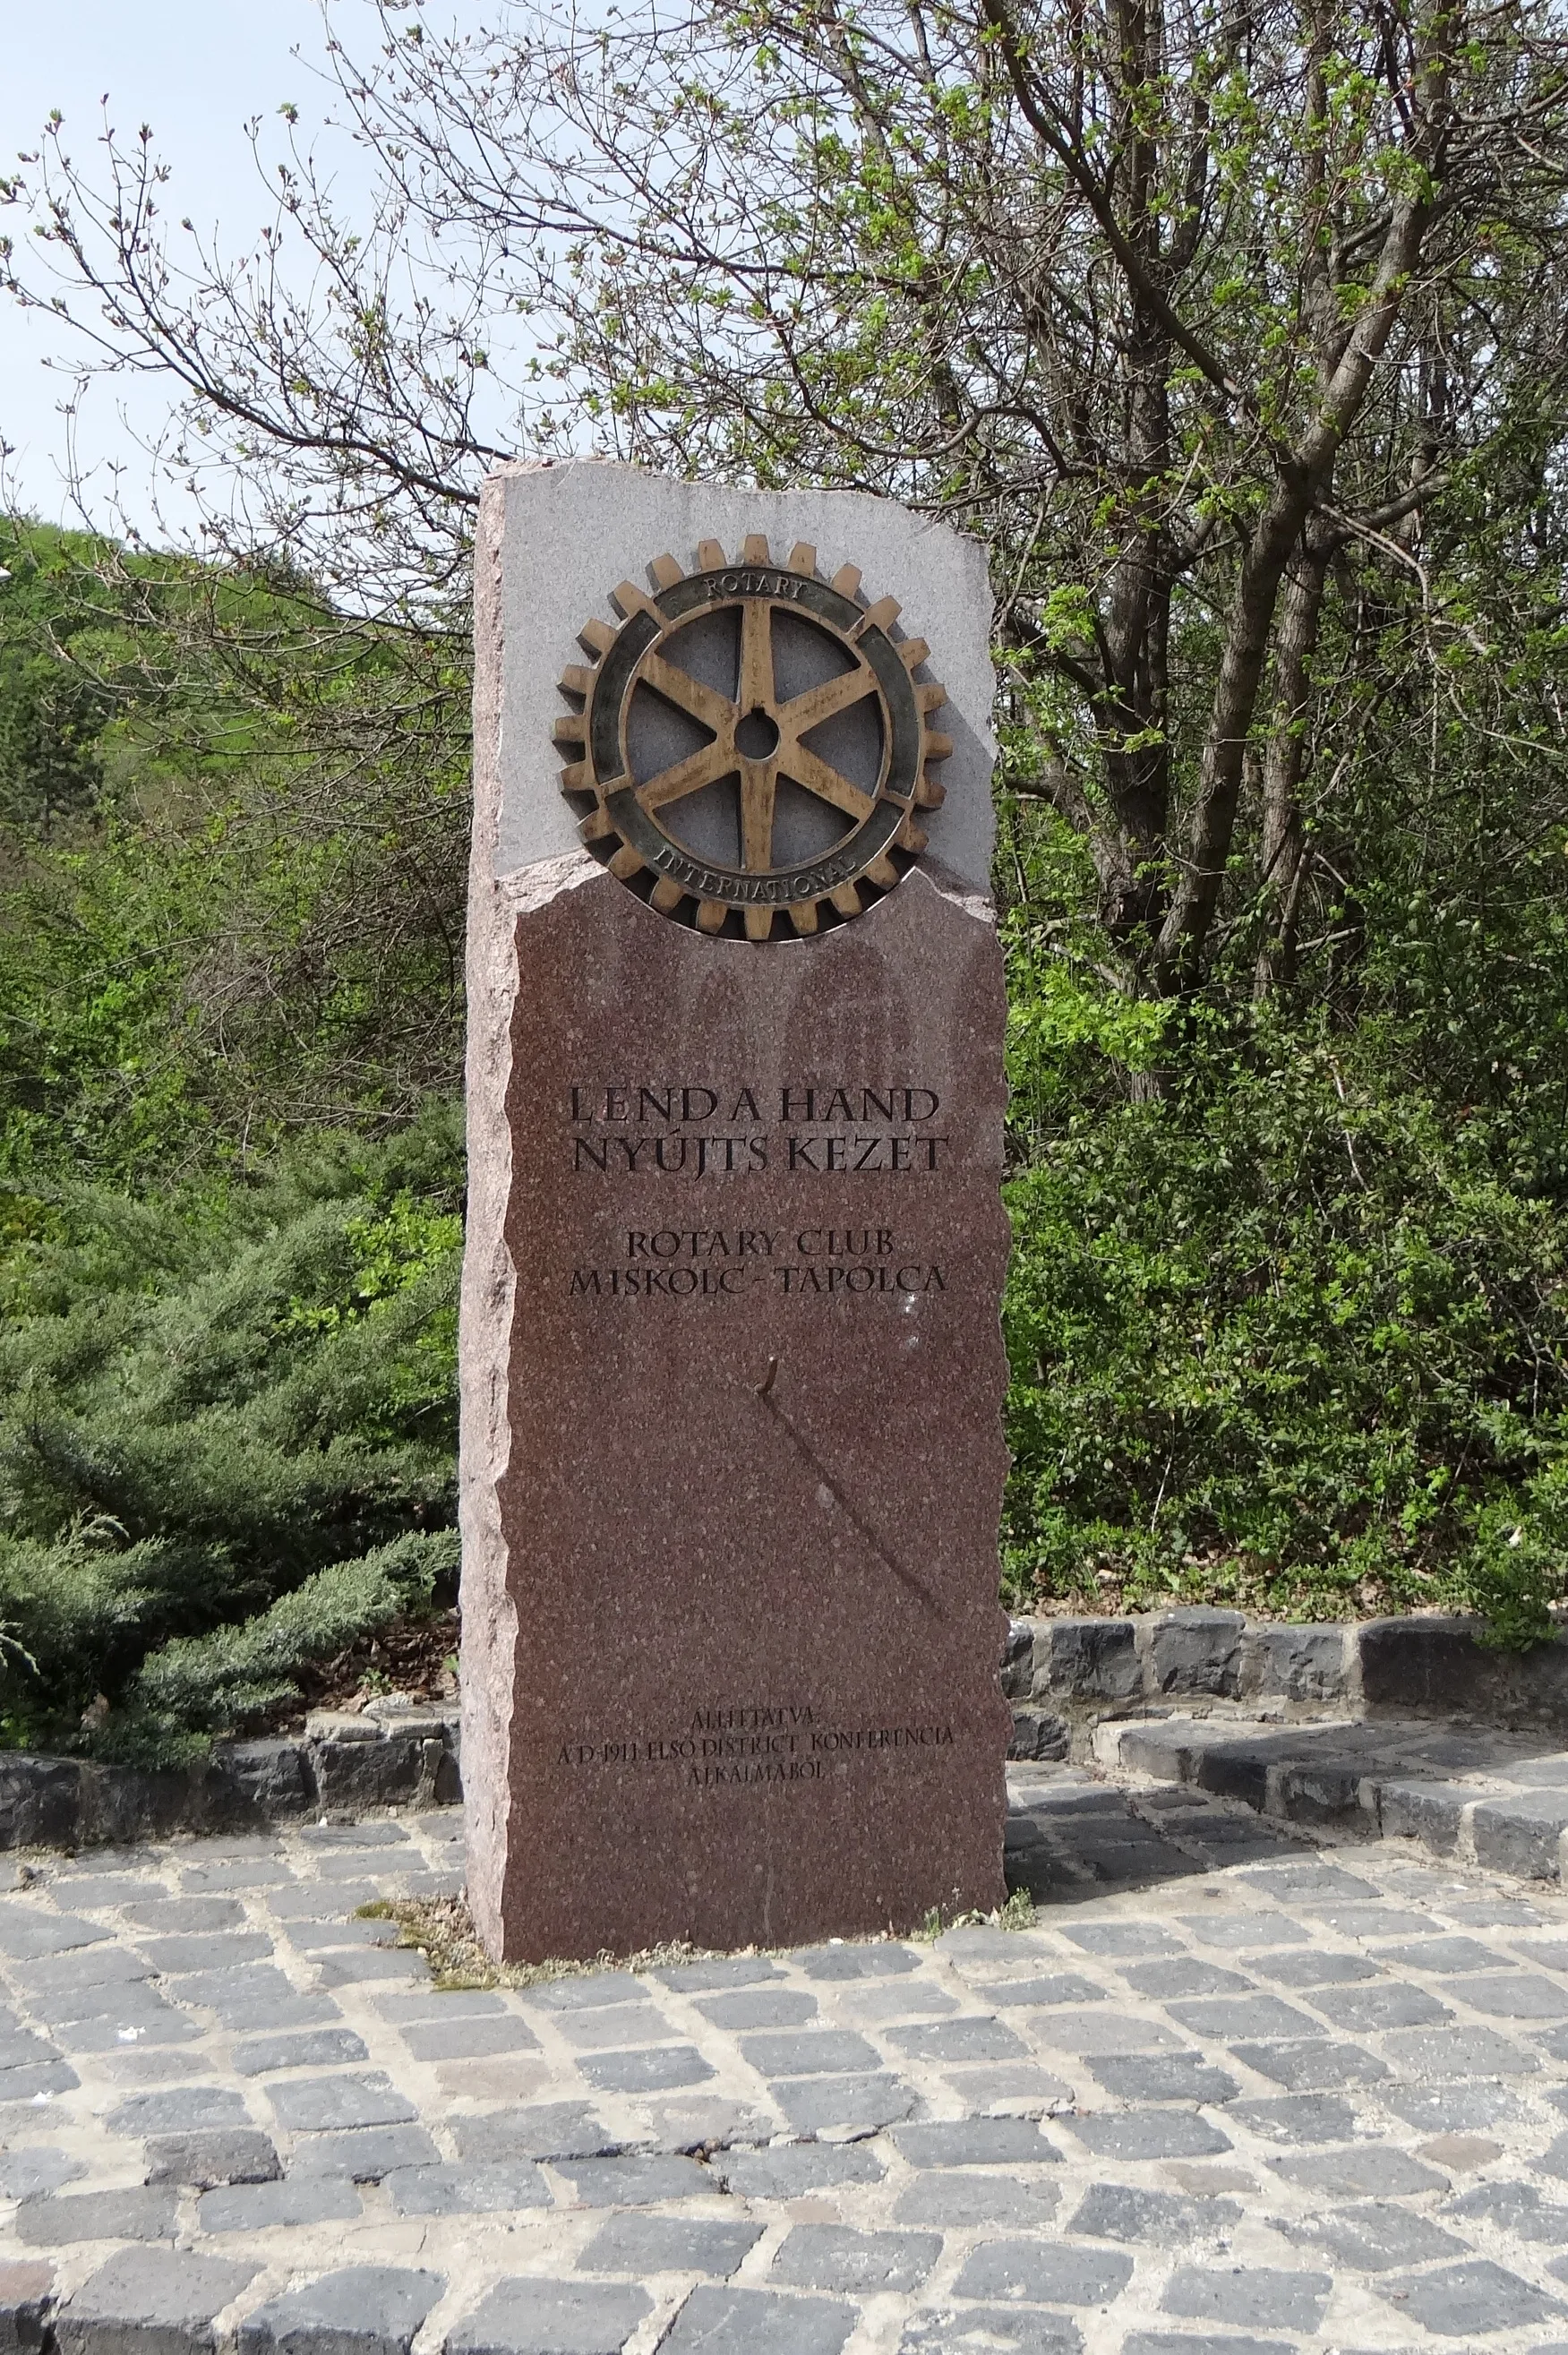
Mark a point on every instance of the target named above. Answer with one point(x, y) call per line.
point(750, 749)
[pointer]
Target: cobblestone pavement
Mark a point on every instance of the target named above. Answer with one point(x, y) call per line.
point(1230, 2092)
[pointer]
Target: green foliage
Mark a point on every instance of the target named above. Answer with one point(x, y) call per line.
point(233, 1403)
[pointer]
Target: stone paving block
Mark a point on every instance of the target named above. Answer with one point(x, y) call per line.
point(1439, 1954)
point(762, 2006)
point(177, 2108)
point(831, 2256)
point(726, 2321)
point(52, 1979)
point(720, 1971)
point(1163, 2077)
point(975, 2142)
point(1120, 1938)
point(818, 2105)
point(615, 2030)
point(819, 2052)
point(1238, 1932)
point(345, 1930)
point(1476, 2296)
point(401, 2004)
point(1118, 2211)
point(1308, 1969)
point(365, 2153)
point(1310, 2068)
point(230, 1992)
point(1298, 2118)
point(1088, 2032)
point(644, 2245)
point(1043, 2273)
point(320, 1900)
point(534, 2130)
point(318, 2105)
point(1046, 1992)
point(21, 2085)
point(1374, 2238)
point(1370, 2167)
point(955, 2199)
point(1511, 1995)
point(1150, 2133)
point(469, 2189)
point(855, 1961)
point(467, 2039)
point(26, 2301)
point(137, 2214)
point(1258, 2018)
point(150, 2302)
point(1458, 2051)
point(375, 1963)
point(791, 2171)
point(27, 1931)
point(1010, 2090)
point(1365, 2011)
point(1248, 2297)
point(534, 2316)
point(1451, 2109)
point(219, 1951)
point(296, 2199)
point(1519, 1834)
point(956, 2040)
point(37, 2166)
point(1175, 2343)
point(1494, 1911)
point(205, 2155)
point(635, 2182)
point(591, 1992)
point(317, 2048)
point(1519, 2208)
point(990, 2331)
point(361, 2310)
point(175, 1915)
point(1185, 1975)
point(650, 2070)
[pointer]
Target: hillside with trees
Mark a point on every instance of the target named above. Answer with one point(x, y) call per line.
point(1242, 338)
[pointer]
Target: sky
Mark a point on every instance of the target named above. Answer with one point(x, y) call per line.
point(195, 70)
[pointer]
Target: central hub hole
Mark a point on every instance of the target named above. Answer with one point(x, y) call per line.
point(757, 736)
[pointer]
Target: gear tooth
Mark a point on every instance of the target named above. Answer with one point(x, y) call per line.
point(574, 779)
point(628, 599)
point(910, 836)
point(912, 652)
point(802, 915)
point(576, 679)
point(931, 698)
point(710, 915)
point(929, 794)
point(846, 899)
point(882, 872)
point(938, 747)
point(754, 548)
point(597, 825)
point(626, 862)
point(847, 580)
point(667, 895)
point(667, 571)
point(759, 924)
point(596, 636)
point(879, 616)
point(568, 733)
point(711, 556)
point(802, 557)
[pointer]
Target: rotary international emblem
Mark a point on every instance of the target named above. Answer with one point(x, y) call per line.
point(750, 748)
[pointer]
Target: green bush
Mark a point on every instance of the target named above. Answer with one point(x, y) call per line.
point(214, 1401)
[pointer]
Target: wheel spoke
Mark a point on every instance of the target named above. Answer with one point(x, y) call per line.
point(756, 687)
point(759, 791)
point(687, 776)
point(703, 703)
point(827, 783)
point(819, 703)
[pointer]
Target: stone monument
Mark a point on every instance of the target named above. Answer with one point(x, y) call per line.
point(731, 1365)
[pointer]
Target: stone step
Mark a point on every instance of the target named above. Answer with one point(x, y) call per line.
point(1480, 1795)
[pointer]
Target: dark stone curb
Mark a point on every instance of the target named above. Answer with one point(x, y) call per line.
point(1450, 1790)
point(342, 1764)
point(1064, 1676)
